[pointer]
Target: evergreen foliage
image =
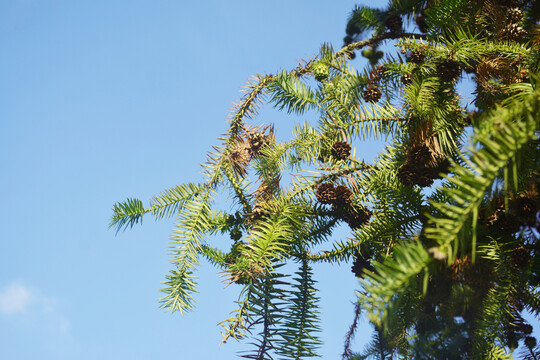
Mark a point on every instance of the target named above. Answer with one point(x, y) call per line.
point(444, 223)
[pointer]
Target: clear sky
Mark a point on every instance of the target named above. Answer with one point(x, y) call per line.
point(104, 100)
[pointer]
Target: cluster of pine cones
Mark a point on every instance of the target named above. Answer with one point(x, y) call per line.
point(523, 211)
point(394, 23)
point(340, 197)
point(372, 93)
point(420, 168)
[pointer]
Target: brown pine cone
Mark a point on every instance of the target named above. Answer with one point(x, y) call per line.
point(413, 173)
point(360, 265)
point(343, 196)
point(341, 150)
point(406, 174)
point(421, 23)
point(443, 167)
point(358, 217)
point(256, 141)
point(394, 23)
point(520, 257)
point(326, 193)
point(448, 70)
point(417, 56)
point(506, 223)
point(525, 209)
point(530, 342)
point(376, 74)
point(424, 177)
point(406, 79)
point(372, 94)
point(256, 214)
point(527, 329)
point(420, 155)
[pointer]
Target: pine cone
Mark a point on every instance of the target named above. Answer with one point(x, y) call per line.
point(256, 141)
point(360, 265)
point(442, 167)
point(461, 269)
point(525, 209)
point(513, 31)
point(421, 23)
point(394, 23)
point(376, 74)
point(515, 15)
point(527, 329)
point(417, 56)
point(512, 340)
point(357, 217)
point(520, 257)
point(420, 155)
point(448, 70)
point(424, 177)
point(530, 342)
point(406, 174)
point(320, 71)
point(406, 79)
point(343, 196)
point(341, 150)
point(410, 174)
point(372, 94)
point(509, 3)
point(326, 193)
point(505, 223)
point(236, 234)
point(256, 214)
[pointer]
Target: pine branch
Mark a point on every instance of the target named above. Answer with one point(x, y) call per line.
point(511, 129)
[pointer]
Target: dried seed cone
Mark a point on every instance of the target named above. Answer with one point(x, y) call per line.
point(343, 196)
point(421, 23)
point(505, 223)
point(515, 15)
point(509, 3)
point(406, 79)
point(527, 329)
point(443, 167)
point(376, 74)
point(358, 217)
point(417, 56)
point(256, 141)
point(530, 342)
point(236, 234)
point(448, 70)
point(525, 209)
point(326, 193)
point(520, 257)
point(341, 150)
point(406, 174)
point(513, 31)
point(420, 155)
point(461, 268)
point(360, 265)
point(410, 174)
point(394, 23)
point(372, 94)
point(256, 214)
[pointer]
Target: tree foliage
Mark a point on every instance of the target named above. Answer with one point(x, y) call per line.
point(444, 223)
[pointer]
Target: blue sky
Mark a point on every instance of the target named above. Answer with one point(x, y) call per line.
point(104, 100)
